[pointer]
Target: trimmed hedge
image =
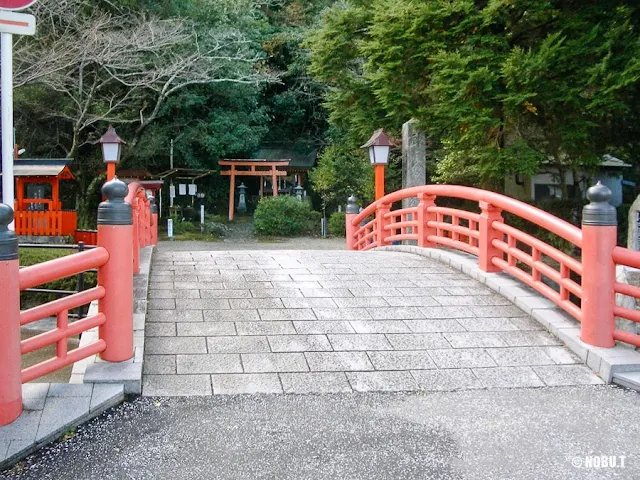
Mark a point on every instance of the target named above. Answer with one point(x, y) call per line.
point(337, 225)
point(285, 216)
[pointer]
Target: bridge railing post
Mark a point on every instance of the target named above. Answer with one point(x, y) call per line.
point(381, 233)
point(10, 357)
point(351, 212)
point(599, 238)
point(135, 242)
point(154, 220)
point(115, 234)
point(147, 220)
point(424, 231)
point(486, 251)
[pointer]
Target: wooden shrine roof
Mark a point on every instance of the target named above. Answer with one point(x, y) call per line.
point(35, 167)
point(301, 157)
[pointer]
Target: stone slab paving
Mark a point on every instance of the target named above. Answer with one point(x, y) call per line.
point(265, 321)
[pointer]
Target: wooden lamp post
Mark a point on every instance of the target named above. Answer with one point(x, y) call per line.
point(378, 146)
point(111, 148)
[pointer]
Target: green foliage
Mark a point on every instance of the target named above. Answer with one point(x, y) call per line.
point(216, 229)
point(568, 210)
point(342, 172)
point(207, 122)
point(623, 224)
point(500, 86)
point(33, 256)
point(284, 216)
point(337, 224)
point(180, 228)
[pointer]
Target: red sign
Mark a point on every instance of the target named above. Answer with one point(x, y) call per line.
point(16, 4)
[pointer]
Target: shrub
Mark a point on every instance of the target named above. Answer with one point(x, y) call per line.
point(284, 216)
point(337, 224)
point(314, 222)
point(184, 227)
point(217, 229)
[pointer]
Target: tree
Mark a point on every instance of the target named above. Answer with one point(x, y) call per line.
point(342, 172)
point(121, 62)
point(121, 66)
point(501, 86)
point(295, 104)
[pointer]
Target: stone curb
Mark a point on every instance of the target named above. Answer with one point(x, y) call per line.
point(605, 362)
point(50, 410)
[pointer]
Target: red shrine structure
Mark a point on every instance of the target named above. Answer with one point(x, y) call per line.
point(38, 209)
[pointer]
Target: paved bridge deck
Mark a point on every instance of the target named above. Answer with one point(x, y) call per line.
point(337, 321)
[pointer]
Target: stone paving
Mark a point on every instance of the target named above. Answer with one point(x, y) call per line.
point(233, 322)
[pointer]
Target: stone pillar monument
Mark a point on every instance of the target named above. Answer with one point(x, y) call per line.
point(414, 159)
point(414, 162)
point(630, 275)
point(633, 232)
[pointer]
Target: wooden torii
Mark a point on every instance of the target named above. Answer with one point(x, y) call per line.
point(252, 168)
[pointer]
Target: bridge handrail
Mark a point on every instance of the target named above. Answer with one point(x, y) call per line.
point(142, 220)
point(113, 258)
point(62, 267)
point(585, 288)
point(555, 225)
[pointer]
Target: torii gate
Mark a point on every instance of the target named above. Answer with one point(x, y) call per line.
point(257, 168)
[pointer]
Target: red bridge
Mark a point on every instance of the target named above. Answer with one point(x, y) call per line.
point(584, 285)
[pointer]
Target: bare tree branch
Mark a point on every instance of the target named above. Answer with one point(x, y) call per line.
point(111, 65)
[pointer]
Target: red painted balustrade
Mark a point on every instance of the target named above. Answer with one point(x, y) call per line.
point(583, 284)
point(124, 226)
point(145, 223)
point(45, 223)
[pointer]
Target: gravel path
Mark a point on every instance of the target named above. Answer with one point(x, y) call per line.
point(524, 434)
point(240, 236)
point(298, 243)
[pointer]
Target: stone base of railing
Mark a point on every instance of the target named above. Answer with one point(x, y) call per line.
point(605, 362)
point(129, 373)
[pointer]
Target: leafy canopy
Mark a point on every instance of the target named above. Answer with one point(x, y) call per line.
point(501, 86)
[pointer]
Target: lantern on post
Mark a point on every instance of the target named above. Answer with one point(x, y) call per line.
point(111, 147)
point(299, 191)
point(378, 146)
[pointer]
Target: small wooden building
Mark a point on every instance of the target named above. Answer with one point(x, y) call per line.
point(302, 158)
point(38, 209)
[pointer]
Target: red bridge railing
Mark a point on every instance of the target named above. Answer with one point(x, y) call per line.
point(127, 220)
point(145, 221)
point(585, 288)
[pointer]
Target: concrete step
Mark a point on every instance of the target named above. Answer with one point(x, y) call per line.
point(628, 379)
